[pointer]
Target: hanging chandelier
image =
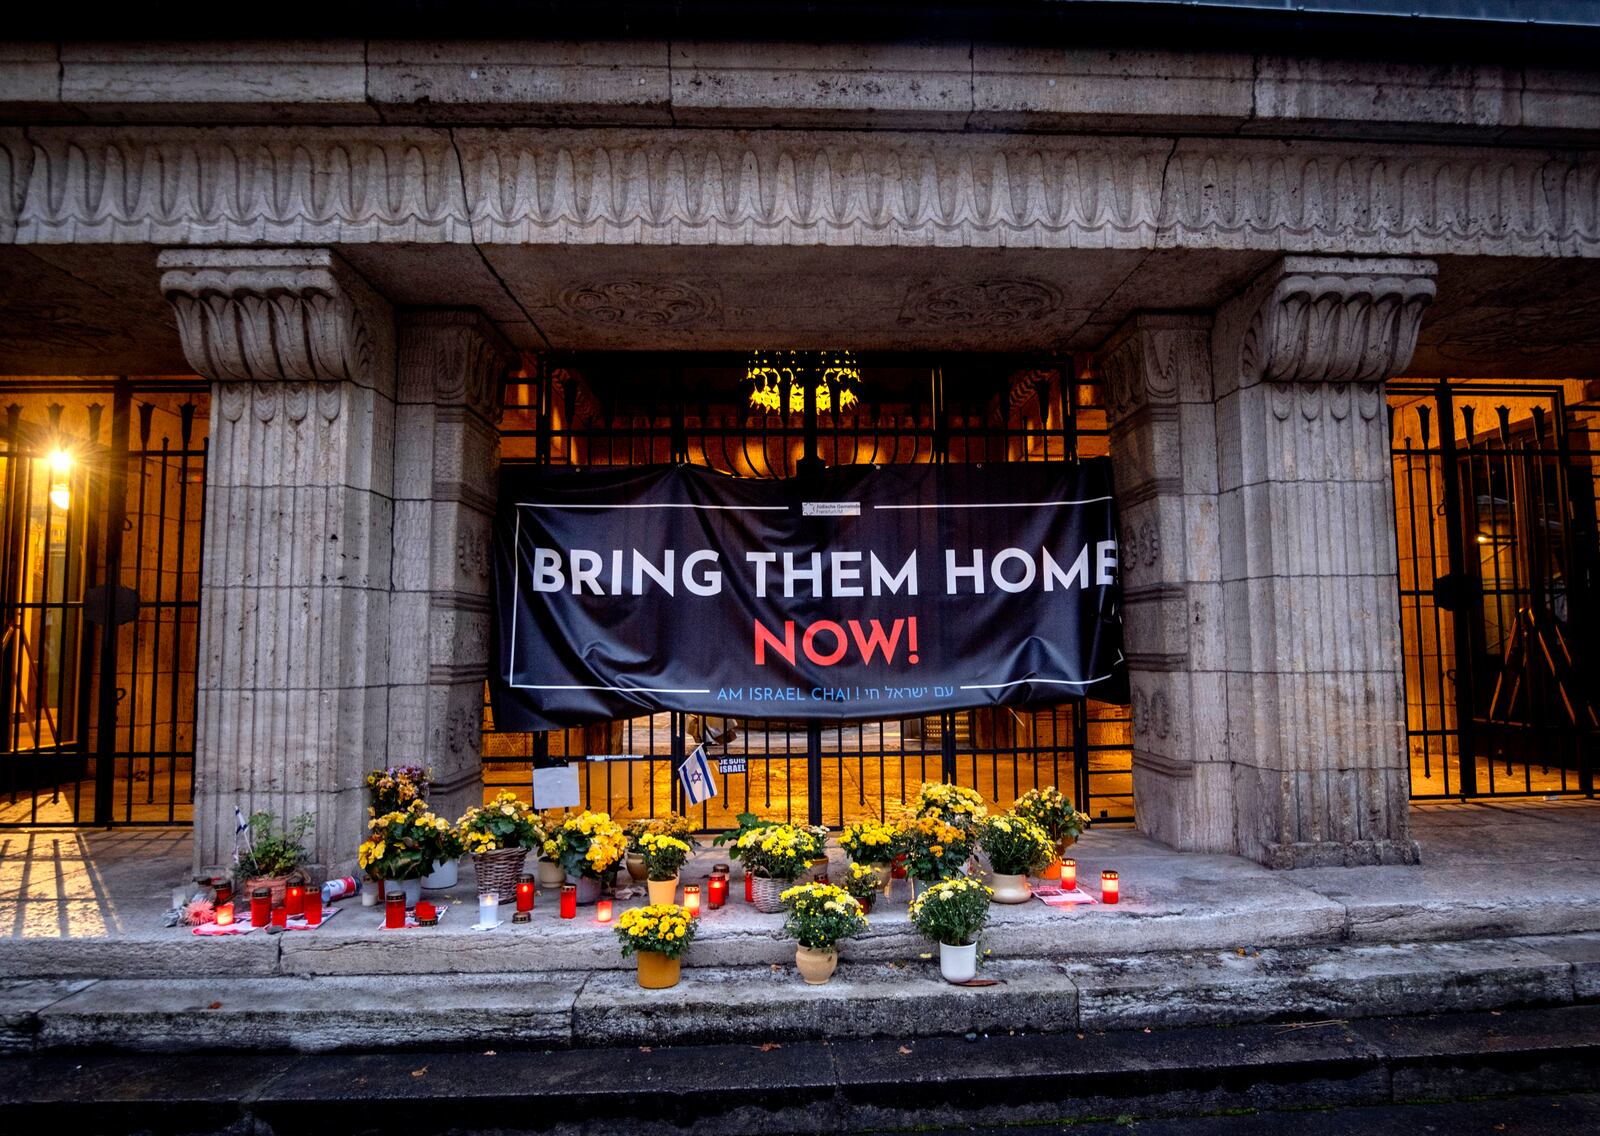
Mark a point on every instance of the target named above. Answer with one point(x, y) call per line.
point(777, 380)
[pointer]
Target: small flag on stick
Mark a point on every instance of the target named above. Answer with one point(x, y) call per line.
point(699, 785)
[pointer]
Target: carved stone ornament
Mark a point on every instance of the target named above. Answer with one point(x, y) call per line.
point(1325, 320)
point(652, 303)
point(273, 315)
point(982, 303)
point(453, 357)
point(1151, 359)
point(316, 186)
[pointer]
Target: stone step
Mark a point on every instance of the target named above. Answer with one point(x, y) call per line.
point(763, 1002)
point(808, 1086)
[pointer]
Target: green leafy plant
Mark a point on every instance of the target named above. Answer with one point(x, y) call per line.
point(820, 915)
point(748, 822)
point(504, 822)
point(588, 844)
point(952, 912)
point(869, 841)
point(274, 853)
point(1016, 846)
point(933, 848)
point(406, 843)
point(861, 881)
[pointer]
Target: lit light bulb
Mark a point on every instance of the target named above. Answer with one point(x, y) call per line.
point(60, 461)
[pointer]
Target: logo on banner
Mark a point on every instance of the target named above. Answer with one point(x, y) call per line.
point(699, 784)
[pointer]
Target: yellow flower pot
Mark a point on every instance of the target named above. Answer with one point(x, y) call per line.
point(657, 971)
point(663, 891)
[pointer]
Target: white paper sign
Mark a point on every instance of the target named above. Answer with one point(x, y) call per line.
point(830, 508)
point(726, 765)
point(555, 788)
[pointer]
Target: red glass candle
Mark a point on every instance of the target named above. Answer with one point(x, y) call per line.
point(313, 908)
point(425, 911)
point(602, 911)
point(569, 901)
point(1069, 875)
point(525, 896)
point(294, 901)
point(1110, 887)
point(260, 907)
point(394, 910)
point(691, 900)
point(224, 892)
point(280, 916)
point(224, 915)
point(749, 888)
point(717, 889)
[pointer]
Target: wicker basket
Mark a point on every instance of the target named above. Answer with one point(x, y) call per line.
point(499, 871)
point(765, 894)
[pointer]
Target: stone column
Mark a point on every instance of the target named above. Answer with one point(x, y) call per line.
point(1163, 450)
point(446, 457)
point(1306, 502)
point(293, 691)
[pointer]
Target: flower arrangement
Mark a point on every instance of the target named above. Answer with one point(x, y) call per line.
point(1052, 812)
point(504, 822)
point(952, 912)
point(869, 842)
point(953, 804)
point(1016, 845)
point(404, 844)
point(674, 825)
point(778, 851)
point(394, 788)
point(269, 854)
point(663, 855)
point(820, 915)
point(663, 928)
point(748, 822)
point(861, 881)
point(934, 849)
point(588, 844)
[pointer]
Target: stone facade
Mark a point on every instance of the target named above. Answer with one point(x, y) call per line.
point(354, 239)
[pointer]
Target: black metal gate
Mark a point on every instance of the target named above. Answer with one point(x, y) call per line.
point(623, 410)
point(1495, 502)
point(104, 491)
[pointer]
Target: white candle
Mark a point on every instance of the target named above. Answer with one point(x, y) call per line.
point(488, 909)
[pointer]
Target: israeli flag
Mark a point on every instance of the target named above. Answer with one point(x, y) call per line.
point(699, 785)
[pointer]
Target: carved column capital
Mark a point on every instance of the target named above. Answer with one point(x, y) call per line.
point(1324, 319)
point(1155, 359)
point(279, 315)
point(453, 357)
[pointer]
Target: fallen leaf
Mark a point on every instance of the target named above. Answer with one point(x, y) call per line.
point(768, 1046)
point(422, 1072)
point(905, 1049)
point(215, 1006)
point(926, 955)
point(1146, 1029)
point(645, 1049)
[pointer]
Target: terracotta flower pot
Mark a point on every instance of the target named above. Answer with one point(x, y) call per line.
point(663, 891)
point(815, 966)
point(881, 875)
point(657, 971)
point(1053, 871)
point(1010, 889)
point(637, 872)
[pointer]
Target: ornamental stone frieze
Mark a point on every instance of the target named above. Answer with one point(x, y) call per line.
point(292, 315)
point(605, 186)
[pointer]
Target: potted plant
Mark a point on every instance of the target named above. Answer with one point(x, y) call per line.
point(657, 934)
point(499, 835)
point(589, 846)
point(864, 884)
point(394, 788)
point(663, 860)
point(934, 849)
point(1017, 847)
point(270, 856)
point(551, 874)
point(954, 804)
point(819, 916)
point(952, 913)
point(774, 855)
point(670, 825)
point(871, 843)
point(402, 846)
point(1052, 812)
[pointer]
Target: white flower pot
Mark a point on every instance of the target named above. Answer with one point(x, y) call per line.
point(1010, 889)
point(958, 964)
point(443, 876)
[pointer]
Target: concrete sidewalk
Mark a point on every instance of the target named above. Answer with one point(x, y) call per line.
point(1502, 912)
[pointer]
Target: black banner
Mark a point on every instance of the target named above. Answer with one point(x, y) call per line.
point(860, 592)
